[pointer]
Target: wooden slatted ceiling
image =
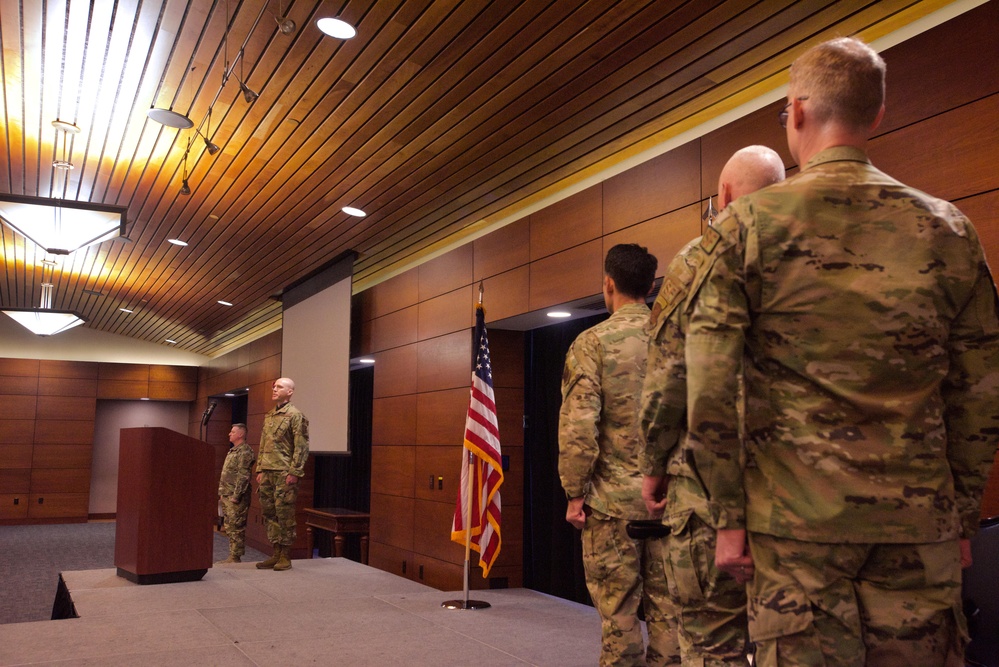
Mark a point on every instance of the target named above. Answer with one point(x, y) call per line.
point(440, 116)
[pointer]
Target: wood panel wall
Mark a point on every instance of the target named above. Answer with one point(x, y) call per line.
point(940, 134)
point(47, 429)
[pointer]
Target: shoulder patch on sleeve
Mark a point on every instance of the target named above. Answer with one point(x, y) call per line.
point(710, 239)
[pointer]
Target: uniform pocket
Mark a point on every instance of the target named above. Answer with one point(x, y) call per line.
point(779, 613)
point(684, 559)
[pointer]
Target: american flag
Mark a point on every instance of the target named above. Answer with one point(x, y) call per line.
point(486, 469)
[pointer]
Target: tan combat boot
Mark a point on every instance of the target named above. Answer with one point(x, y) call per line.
point(231, 559)
point(272, 561)
point(284, 562)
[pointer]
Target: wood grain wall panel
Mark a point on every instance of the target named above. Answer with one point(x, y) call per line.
point(568, 275)
point(661, 185)
point(389, 559)
point(956, 151)
point(361, 346)
point(66, 407)
point(983, 211)
point(129, 372)
point(506, 248)
point(123, 389)
point(453, 311)
point(19, 367)
point(393, 420)
point(438, 473)
point(238, 378)
point(758, 128)
point(392, 520)
point(395, 466)
point(506, 349)
point(443, 575)
point(398, 328)
point(446, 273)
point(512, 489)
point(440, 416)
point(58, 505)
point(21, 406)
point(433, 530)
point(15, 455)
point(18, 384)
point(182, 374)
point(64, 432)
point(663, 236)
point(17, 431)
point(510, 416)
point(395, 371)
point(66, 387)
point(264, 370)
point(15, 480)
point(258, 400)
point(62, 456)
point(13, 507)
point(569, 222)
point(85, 370)
point(394, 294)
point(946, 67)
point(444, 362)
point(990, 497)
point(506, 294)
point(172, 391)
point(60, 480)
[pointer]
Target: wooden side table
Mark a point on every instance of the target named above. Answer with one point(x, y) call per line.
point(339, 522)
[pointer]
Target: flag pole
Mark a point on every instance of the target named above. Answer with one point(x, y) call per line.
point(465, 603)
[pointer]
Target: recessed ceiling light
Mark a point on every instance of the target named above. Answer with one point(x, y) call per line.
point(177, 242)
point(225, 303)
point(336, 28)
point(366, 361)
point(172, 342)
point(229, 394)
point(356, 212)
point(559, 314)
point(125, 310)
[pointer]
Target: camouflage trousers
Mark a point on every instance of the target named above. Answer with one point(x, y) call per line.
point(234, 522)
point(710, 604)
point(277, 504)
point(622, 573)
point(856, 604)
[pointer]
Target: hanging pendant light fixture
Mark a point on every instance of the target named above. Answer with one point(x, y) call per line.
point(44, 321)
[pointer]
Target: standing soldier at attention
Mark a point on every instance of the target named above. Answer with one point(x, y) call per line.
point(599, 445)
point(711, 604)
point(284, 448)
point(234, 491)
point(863, 316)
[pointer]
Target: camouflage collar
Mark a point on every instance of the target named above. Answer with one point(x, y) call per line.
point(837, 154)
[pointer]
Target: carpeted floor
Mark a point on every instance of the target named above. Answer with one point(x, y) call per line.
point(31, 558)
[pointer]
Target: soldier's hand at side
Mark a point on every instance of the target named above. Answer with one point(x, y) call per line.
point(732, 556)
point(654, 494)
point(260, 477)
point(291, 479)
point(575, 514)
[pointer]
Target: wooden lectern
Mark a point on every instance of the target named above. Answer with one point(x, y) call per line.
point(167, 498)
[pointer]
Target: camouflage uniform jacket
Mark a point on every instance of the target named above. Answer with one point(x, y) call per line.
point(599, 440)
point(865, 316)
point(284, 441)
point(664, 394)
point(235, 479)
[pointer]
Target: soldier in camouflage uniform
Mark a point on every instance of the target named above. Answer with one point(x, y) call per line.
point(864, 316)
point(234, 491)
point(598, 465)
point(712, 618)
point(284, 449)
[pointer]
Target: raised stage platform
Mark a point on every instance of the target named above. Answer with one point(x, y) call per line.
point(323, 611)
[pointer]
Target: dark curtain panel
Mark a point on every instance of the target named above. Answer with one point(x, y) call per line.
point(553, 561)
point(344, 480)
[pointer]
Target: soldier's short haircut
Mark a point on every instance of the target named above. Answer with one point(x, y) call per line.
point(241, 425)
point(843, 79)
point(632, 268)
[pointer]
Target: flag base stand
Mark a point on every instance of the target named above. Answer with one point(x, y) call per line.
point(465, 604)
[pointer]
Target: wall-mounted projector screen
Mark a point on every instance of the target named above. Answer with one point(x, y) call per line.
point(315, 352)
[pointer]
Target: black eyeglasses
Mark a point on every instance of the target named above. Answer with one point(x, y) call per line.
point(783, 113)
